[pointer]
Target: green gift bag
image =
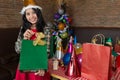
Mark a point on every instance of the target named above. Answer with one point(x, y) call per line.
point(33, 57)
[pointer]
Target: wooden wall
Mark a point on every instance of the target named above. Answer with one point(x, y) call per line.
point(9, 13)
point(10, 16)
point(85, 13)
point(95, 13)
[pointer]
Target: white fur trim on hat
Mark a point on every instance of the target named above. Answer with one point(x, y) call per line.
point(28, 7)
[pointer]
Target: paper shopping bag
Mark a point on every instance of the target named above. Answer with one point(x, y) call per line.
point(117, 49)
point(95, 61)
point(33, 57)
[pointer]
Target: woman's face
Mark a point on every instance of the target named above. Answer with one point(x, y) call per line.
point(31, 16)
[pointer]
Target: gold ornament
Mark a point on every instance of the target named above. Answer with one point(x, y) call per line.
point(61, 26)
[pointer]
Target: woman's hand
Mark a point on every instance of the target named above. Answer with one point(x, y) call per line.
point(28, 34)
point(40, 72)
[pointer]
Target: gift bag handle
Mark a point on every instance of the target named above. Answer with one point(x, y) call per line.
point(95, 39)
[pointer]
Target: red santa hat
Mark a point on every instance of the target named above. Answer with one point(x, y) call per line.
point(29, 4)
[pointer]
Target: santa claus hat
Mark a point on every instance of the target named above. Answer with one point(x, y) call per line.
point(29, 4)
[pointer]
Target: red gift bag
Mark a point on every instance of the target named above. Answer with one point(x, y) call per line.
point(95, 61)
point(117, 49)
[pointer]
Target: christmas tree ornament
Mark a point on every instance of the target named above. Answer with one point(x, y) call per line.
point(65, 16)
point(69, 20)
point(49, 24)
point(60, 11)
point(61, 26)
point(61, 18)
point(57, 16)
point(59, 50)
point(64, 21)
point(66, 58)
point(59, 54)
point(64, 35)
point(71, 32)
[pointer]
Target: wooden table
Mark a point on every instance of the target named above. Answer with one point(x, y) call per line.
point(60, 73)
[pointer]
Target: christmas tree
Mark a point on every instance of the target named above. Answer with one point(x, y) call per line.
point(61, 31)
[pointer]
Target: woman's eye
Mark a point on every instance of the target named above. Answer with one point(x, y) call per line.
point(27, 13)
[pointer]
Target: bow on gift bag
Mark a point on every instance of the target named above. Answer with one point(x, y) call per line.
point(34, 52)
point(95, 59)
point(38, 40)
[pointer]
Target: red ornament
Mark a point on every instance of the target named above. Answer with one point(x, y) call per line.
point(70, 20)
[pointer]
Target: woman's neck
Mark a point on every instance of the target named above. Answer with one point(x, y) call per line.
point(33, 26)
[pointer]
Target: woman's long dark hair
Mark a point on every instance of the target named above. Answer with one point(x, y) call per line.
point(39, 25)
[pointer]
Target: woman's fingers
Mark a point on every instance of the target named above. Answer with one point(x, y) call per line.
point(40, 72)
point(28, 33)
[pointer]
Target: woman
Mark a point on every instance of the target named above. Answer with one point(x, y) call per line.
point(32, 22)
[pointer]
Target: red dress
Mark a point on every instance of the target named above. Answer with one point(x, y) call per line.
point(31, 75)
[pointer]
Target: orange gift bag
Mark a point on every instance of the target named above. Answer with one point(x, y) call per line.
point(95, 61)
